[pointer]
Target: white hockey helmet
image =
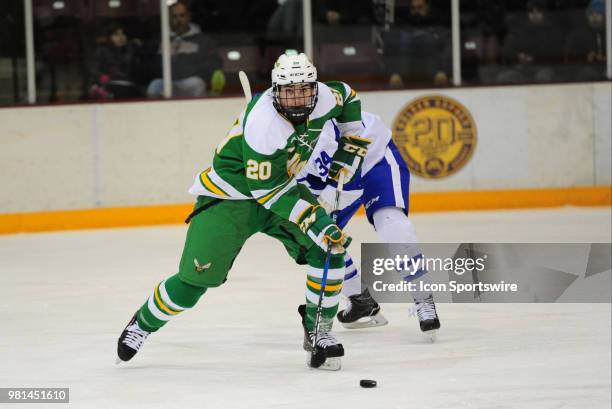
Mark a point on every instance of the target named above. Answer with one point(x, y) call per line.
point(293, 68)
point(289, 69)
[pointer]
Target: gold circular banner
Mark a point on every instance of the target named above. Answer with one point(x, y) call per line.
point(436, 136)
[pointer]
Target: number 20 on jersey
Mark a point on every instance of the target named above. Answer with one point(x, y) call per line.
point(258, 171)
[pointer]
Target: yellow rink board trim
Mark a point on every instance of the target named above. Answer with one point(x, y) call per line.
point(511, 199)
point(419, 202)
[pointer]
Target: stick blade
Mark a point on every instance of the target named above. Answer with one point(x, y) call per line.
point(246, 86)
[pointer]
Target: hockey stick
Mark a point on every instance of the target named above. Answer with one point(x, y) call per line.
point(316, 360)
point(246, 86)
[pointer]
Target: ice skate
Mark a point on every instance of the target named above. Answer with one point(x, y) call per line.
point(328, 351)
point(131, 340)
point(428, 317)
point(362, 311)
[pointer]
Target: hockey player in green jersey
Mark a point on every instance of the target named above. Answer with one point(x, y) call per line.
point(251, 187)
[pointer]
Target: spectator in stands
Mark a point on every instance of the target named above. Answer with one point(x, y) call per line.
point(586, 46)
point(533, 48)
point(116, 64)
point(194, 59)
point(286, 21)
point(483, 29)
point(334, 12)
point(235, 16)
point(417, 49)
point(419, 14)
point(285, 24)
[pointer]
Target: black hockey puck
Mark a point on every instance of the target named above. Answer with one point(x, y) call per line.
point(367, 383)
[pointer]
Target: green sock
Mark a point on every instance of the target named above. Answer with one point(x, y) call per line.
point(170, 297)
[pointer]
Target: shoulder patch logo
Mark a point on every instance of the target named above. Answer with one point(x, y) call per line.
point(436, 136)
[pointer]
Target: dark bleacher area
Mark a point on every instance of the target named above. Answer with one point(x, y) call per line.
point(67, 33)
point(355, 41)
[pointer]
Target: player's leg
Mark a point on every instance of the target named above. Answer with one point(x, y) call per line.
point(170, 297)
point(386, 194)
point(304, 251)
point(352, 279)
point(361, 310)
point(214, 239)
point(326, 340)
point(393, 226)
point(350, 202)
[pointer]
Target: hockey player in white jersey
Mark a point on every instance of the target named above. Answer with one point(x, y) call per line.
point(382, 187)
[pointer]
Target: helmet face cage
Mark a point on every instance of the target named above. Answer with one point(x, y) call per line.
point(297, 104)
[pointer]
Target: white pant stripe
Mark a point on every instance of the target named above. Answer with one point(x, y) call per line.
point(396, 179)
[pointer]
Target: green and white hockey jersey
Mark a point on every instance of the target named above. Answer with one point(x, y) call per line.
point(262, 154)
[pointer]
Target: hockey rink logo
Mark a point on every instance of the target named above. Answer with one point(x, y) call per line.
point(436, 136)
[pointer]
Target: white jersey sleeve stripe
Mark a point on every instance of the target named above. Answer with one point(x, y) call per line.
point(298, 210)
point(354, 128)
point(229, 189)
point(260, 193)
point(278, 195)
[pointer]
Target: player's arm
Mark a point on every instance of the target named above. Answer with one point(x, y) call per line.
point(349, 121)
point(352, 146)
point(272, 187)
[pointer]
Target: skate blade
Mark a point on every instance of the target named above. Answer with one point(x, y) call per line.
point(431, 336)
point(330, 364)
point(377, 320)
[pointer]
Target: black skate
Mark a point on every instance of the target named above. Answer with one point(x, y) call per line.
point(328, 350)
point(428, 316)
point(130, 341)
point(362, 311)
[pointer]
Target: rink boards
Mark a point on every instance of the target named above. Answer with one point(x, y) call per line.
point(121, 155)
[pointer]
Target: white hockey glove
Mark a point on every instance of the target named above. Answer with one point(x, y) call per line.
point(328, 197)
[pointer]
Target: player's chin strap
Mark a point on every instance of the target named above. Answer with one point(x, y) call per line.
point(315, 359)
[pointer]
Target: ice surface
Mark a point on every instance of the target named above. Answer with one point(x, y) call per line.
point(65, 297)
